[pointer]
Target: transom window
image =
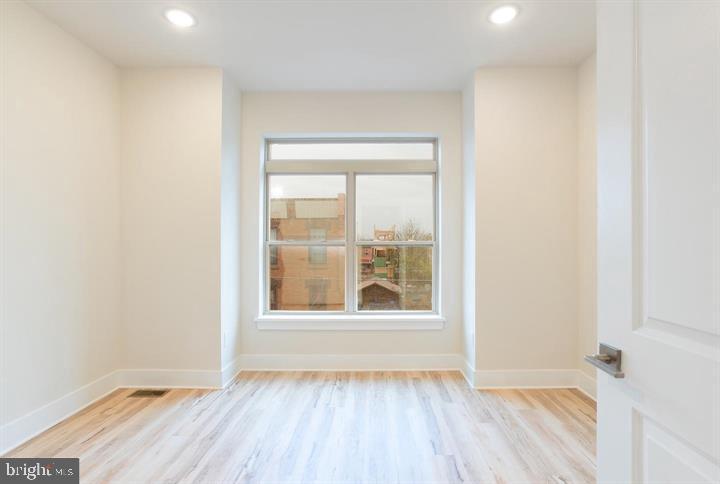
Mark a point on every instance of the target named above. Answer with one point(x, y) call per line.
point(350, 225)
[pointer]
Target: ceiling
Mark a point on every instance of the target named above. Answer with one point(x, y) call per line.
point(333, 44)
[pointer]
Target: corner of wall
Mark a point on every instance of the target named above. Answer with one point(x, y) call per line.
point(468, 230)
point(230, 263)
point(587, 222)
point(526, 238)
point(170, 122)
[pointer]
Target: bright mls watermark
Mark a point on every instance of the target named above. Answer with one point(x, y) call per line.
point(45, 470)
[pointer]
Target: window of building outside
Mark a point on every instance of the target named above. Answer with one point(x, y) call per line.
point(350, 226)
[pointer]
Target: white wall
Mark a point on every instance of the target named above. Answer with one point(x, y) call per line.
point(325, 112)
point(587, 217)
point(170, 127)
point(526, 206)
point(60, 217)
point(230, 266)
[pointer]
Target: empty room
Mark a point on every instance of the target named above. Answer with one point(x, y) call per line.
point(360, 241)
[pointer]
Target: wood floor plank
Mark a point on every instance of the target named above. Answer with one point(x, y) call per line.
point(306, 427)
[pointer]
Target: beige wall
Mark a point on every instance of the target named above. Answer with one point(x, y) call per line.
point(60, 214)
point(170, 127)
point(357, 112)
point(526, 209)
point(587, 216)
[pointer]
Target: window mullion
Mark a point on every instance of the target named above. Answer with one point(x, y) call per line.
point(350, 276)
point(266, 247)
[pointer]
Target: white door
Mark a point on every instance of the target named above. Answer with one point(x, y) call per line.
point(659, 239)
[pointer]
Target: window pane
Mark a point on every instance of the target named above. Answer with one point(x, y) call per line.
point(307, 207)
point(307, 278)
point(395, 207)
point(395, 150)
point(394, 278)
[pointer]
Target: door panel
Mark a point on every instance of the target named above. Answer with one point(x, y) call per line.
point(679, 152)
point(659, 239)
point(666, 458)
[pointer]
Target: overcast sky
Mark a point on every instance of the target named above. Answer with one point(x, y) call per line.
point(382, 200)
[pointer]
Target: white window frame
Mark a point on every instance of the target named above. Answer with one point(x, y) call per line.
point(352, 318)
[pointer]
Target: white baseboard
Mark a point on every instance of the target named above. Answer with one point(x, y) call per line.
point(587, 384)
point(22, 429)
point(526, 378)
point(468, 372)
point(132, 378)
point(230, 371)
point(489, 379)
point(349, 362)
point(37, 421)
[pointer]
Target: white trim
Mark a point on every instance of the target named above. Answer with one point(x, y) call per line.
point(369, 362)
point(341, 322)
point(478, 379)
point(587, 384)
point(468, 372)
point(167, 378)
point(526, 378)
point(24, 428)
point(352, 270)
point(230, 371)
point(496, 379)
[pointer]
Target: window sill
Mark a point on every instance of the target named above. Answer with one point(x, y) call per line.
point(350, 323)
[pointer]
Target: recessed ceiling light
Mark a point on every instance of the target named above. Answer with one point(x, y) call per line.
point(179, 18)
point(504, 14)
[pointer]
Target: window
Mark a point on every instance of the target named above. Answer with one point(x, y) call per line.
point(307, 238)
point(350, 226)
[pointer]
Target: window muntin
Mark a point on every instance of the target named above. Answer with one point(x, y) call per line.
point(372, 251)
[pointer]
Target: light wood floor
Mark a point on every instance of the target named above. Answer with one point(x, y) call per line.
point(331, 427)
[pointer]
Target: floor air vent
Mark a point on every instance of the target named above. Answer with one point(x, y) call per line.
point(148, 393)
